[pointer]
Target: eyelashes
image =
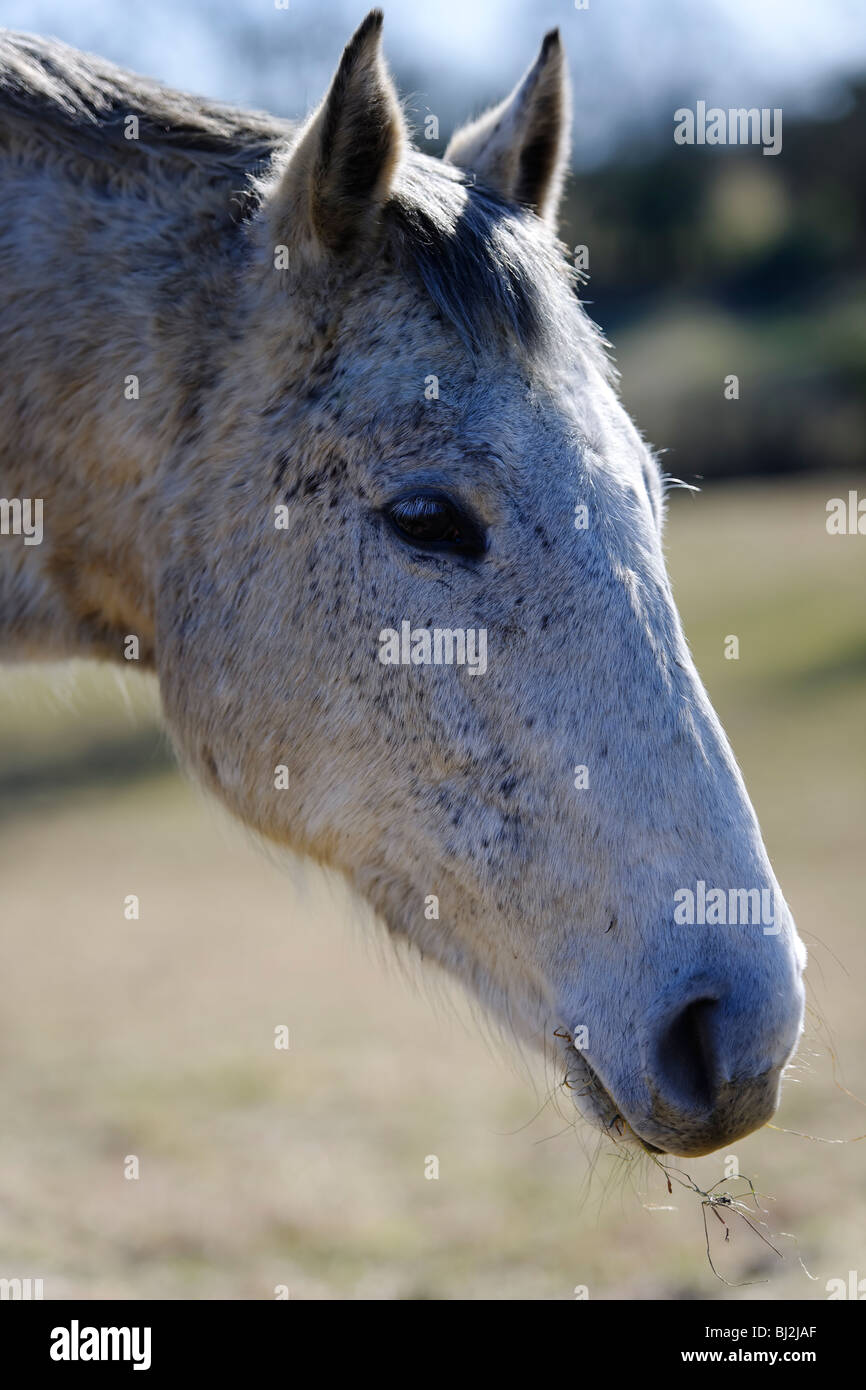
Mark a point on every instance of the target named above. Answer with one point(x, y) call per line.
point(432, 521)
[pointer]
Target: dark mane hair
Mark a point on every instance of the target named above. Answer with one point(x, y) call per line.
point(87, 99)
point(486, 264)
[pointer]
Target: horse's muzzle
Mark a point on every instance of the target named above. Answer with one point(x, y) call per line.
point(710, 1076)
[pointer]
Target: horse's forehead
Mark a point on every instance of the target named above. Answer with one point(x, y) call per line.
point(547, 417)
point(498, 425)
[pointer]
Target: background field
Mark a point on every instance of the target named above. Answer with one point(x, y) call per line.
point(306, 1167)
point(155, 1038)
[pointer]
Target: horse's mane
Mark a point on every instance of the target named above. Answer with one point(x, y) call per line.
point(487, 265)
point(80, 98)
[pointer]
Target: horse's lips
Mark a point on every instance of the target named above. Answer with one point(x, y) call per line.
point(599, 1106)
point(593, 1100)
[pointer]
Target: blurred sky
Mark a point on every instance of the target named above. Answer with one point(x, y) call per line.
point(632, 61)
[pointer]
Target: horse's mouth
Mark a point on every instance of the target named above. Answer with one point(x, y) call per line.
point(589, 1095)
point(596, 1104)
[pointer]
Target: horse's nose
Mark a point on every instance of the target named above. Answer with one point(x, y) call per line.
point(713, 1073)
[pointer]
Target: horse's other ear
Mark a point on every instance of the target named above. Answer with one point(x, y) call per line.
point(340, 171)
point(520, 148)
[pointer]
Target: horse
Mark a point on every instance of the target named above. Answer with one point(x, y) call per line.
point(314, 420)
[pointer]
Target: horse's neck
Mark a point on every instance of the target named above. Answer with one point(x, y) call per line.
point(101, 367)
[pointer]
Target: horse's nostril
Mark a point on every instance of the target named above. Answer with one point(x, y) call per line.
point(686, 1064)
point(712, 1063)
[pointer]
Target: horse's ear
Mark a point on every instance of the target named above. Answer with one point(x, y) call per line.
point(520, 148)
point(339, 172)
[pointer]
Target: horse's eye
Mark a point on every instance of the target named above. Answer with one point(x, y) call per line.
point(432, 521)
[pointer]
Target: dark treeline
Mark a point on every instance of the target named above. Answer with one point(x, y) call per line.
point(710, 261)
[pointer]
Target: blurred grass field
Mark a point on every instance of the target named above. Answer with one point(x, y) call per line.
point(306, 1168)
